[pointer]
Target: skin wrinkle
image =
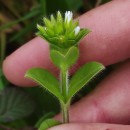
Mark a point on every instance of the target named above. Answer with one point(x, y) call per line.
point(98, 114)
point(101, 114)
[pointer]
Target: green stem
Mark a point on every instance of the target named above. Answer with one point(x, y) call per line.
point(64, 91)
point(65, 112)
point(64, 82)
point(2, 48)
point(43, 6)
point(98, 3)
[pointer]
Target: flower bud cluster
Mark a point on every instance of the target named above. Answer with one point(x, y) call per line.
point(61, 31)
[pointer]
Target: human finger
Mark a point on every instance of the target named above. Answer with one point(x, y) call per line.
point(108, 43)
point(90, 126)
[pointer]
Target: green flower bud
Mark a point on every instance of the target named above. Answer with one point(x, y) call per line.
point(62, 31)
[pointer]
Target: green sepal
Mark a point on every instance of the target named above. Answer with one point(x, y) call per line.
point(53, 20)
point(47, 23)
point(59, 17)
point(48, 124)
point(82, 34)
point(41, 29)
point(83, 76)
point(46, 80)
point(58, 26)
point(65, 61)
point(50, 32)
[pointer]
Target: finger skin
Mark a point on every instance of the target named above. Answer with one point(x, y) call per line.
point(108, 103)
point(91, 126)
point(109, 42)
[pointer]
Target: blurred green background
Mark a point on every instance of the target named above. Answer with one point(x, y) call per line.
point(18, 20)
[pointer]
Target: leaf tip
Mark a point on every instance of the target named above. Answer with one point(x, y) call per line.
point(26, 75)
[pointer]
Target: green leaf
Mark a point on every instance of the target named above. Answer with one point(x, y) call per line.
point(26, 17)
point(67, 60)
point(43, 6)
point(23, 32)
point(63, 5)
point(3, 80)
point(44, 102)
point(48, 123)
point(83, 76)
point(57, 58)
point(15, 104)
point(2, 47)
point(71, 56)
point(1, 73)
point(46, 80)
point(17, 124)
point(74, 4)
point(43, 118)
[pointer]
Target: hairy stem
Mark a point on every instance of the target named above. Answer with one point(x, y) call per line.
point(65, 112)
point(64, 82)
point(64, 91)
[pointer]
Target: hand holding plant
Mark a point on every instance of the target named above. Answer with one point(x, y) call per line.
point(63, 35)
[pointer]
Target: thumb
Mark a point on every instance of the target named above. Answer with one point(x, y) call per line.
point(91, 126)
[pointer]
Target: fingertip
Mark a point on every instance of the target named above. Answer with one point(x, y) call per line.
point(13, 75)
point(33, 54)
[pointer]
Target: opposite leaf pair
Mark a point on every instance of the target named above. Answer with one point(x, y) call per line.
point(45, 79)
